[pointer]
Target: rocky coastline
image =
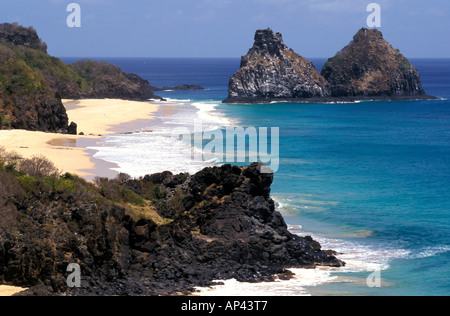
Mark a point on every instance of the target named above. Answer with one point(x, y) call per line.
point(217, 224)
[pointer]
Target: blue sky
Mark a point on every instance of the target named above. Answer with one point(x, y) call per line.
point(225, 28)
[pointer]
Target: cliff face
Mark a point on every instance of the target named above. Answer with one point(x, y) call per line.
point(26, 99)
point(369, 66)
point(218, 224)
point(271, 71)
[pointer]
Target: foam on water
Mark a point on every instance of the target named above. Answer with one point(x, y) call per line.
point(430, 252)
point(163, 149)
point(359, 258)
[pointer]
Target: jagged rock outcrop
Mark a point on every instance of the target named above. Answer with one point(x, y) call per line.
point(369, 67)
point(218, 224)
point(270, 71)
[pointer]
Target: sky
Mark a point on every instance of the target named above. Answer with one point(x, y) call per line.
point(226, 28)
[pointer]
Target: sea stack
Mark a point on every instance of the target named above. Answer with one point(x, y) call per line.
point(272, 72)
point(369, 67)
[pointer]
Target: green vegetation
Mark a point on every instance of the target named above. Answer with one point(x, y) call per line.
point(405, 65)
point(31, 78)
point(23, 179)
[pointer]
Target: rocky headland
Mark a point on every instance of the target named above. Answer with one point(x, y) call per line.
point(161, 235)
point(26, 99)
point(32, 83)
point(369, 68)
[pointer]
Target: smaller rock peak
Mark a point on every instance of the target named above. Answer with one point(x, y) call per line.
point(267, 41)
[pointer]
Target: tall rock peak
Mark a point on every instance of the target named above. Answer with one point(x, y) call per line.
point(269, 42)
point(271, 71)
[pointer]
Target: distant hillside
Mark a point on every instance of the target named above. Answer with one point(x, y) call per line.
point(32, 82)
point(100, 80)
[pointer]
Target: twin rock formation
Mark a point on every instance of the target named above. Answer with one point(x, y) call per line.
point(368, 68)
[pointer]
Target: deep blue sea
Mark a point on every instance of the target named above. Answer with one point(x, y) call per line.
point(370, 179)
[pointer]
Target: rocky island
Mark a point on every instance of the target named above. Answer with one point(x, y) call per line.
point(369, 68)
point(270, 71)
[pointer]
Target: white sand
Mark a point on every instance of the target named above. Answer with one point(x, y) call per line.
point(96, 117)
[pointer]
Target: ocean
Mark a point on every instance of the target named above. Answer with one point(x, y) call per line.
point(370, 180)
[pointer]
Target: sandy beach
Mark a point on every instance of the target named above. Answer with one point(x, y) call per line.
point(95, 118)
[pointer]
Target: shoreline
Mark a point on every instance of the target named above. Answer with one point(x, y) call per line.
point(71, 153)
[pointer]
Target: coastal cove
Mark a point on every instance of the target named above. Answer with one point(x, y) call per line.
point(211, 155)
point(335, 182)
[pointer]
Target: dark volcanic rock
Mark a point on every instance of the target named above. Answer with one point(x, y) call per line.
point(40, 112)
point(220, 223)
point(370, 67)
point(270, 71)
point(72, 129)
point(26, 100)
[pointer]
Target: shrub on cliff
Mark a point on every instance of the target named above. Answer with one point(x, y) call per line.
point(38, 166)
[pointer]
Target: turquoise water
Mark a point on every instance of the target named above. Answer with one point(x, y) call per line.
point(369, 179)
point(372, 173)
